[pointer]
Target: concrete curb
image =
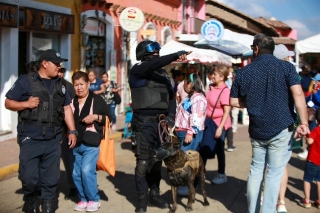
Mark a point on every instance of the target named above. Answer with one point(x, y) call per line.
point(8, 170)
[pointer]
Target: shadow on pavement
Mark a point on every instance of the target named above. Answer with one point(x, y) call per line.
point(297, 163)
point(124, 185)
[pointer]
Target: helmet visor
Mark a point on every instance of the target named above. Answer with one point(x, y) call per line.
point(153, 47)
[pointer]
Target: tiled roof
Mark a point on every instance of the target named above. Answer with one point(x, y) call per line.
point(237, 19)
point(274, 23)
point(284, 40)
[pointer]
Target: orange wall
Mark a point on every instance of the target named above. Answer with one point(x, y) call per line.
point(155, 7)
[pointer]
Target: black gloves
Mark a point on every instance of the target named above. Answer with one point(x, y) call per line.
point(170, 120)
point(180, 53)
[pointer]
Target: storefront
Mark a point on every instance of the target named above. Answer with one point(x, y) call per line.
point(27, 29)
point(97, 43)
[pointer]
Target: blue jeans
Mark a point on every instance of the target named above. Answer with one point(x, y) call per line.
point(274, 153)
point(194, 145)
point(112, 108)
point(84, 172)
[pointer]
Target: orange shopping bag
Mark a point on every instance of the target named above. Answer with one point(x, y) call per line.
point(107, 156)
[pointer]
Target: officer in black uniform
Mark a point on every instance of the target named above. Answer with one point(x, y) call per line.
point(152, 95)
point(42, 104)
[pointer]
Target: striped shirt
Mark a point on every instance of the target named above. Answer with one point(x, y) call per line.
point(191, 114)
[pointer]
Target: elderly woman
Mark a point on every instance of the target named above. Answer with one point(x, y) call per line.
point(96, 84)
point(90, 112)
point(218, 109)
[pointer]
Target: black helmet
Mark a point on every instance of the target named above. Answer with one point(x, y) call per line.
point(145, 47)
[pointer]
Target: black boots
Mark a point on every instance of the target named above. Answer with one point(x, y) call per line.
point(156, 200)
point(32, 204)
point(48, 206)
point(142, 203)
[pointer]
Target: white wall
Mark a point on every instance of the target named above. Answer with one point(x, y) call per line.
point(8, 73)
point(9, 38)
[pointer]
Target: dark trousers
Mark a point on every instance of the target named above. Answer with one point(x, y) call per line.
point(147, 175)
point(68, 160)
point(229, 137)
point(221, 156)
point(39, 158)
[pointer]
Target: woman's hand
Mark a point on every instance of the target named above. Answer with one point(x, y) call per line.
point(89, 119)
point(188, 138)
point(218, 132)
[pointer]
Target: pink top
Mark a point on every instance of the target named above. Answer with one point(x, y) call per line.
point(212, 96)
point(191, 114)
point(180, 91)
point(91, 126)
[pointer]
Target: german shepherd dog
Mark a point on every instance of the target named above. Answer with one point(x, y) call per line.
point(184, 169)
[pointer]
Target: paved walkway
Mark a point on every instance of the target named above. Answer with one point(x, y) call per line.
point(118, 193)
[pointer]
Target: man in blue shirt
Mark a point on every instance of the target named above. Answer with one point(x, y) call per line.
point(42, 103)
point(269, 88)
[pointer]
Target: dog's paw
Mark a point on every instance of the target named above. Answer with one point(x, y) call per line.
point(172, 211)
point(206, 203)
point(189, 209)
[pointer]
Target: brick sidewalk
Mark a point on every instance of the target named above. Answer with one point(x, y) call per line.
point(118, 193)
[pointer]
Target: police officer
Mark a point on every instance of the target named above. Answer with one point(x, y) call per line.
point(152, 95)
point(42, 104)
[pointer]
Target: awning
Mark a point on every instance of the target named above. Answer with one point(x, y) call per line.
point(308, 45)
point(200, 55)
point(231, 43)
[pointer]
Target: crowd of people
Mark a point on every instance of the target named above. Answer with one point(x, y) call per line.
point(53, 111)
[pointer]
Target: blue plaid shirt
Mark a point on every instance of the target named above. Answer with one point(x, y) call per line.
point(264, 86)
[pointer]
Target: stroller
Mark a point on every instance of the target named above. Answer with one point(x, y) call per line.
point(127, 130)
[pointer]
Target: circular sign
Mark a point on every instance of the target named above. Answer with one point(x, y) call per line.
point(131, 19)
point(212, 30)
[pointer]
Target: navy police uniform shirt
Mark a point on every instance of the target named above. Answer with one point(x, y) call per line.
point(264, 86)
point(21, 91)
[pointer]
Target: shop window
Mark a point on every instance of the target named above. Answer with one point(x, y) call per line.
point(166, 34)
point(150, 26)
point(95, 55)
point(42, 42)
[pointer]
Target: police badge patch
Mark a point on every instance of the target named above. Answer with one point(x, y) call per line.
point(63, 89)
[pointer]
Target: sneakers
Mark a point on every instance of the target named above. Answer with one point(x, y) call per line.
point(219, 179)
point(89, 207)
point(231, 149)
point(93, 206)
point(81, 206)
point(183, 190)
point(317, 204)
point(306, 204)
point(303, 155)
point(281, 207)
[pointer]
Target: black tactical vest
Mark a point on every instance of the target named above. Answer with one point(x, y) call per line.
point(50, 112)
point(155, 95)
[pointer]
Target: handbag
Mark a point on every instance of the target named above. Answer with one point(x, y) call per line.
point(296, 144)
point(91, 138)
point(116, 96)
point(208, 143)
point(107, 157)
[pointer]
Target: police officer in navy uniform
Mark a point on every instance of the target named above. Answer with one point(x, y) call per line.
point(42, 104)
point(152, 95)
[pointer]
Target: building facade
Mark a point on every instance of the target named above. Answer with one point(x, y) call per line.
point(26, 29)
point(107, 47)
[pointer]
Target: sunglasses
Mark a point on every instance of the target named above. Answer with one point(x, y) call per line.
point(153, 47)
point(252, 46)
